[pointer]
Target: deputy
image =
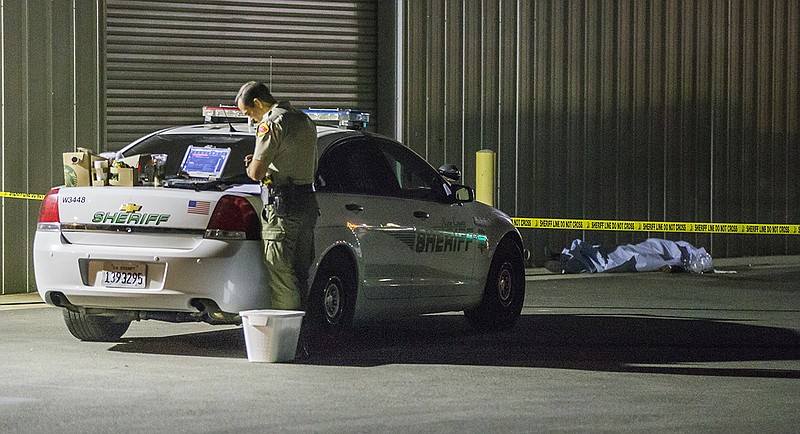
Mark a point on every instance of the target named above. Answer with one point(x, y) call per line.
point(285, 160)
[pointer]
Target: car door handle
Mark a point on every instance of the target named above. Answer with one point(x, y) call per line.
point(354, 207)
point(421, 214)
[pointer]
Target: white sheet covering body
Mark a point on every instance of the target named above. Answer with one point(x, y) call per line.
point(649, 255)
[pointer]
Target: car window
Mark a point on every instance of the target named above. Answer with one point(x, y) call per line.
point(175, 145)
point(415, 177)
point(356, 166)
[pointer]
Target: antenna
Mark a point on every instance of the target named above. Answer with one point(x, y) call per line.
point(230, 124)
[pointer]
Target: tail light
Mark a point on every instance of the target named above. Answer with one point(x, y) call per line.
point(48, 211)
point(234, 219)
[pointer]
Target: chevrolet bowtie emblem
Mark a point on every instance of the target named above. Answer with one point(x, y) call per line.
point(130, 207)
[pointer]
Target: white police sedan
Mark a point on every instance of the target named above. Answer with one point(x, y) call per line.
point(394, 238)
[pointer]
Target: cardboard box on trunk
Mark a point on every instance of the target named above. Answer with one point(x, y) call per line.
point(78, 167)
point(100, 177)
point(137, 161)
point(123, 176)
point(100, 173)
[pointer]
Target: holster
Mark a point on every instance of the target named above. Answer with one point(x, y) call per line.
point(286, 199)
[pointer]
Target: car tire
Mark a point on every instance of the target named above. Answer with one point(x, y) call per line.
point(332, 299)
point(504, 292)
point(94, 328)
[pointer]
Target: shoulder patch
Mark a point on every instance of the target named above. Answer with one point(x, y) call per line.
point(263, 128)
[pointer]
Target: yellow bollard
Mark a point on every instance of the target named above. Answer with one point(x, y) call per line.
point(484, 176)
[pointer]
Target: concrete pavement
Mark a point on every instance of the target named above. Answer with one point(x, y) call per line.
point(637, 352)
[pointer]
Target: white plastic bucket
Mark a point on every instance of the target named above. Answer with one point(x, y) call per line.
point(271, 335)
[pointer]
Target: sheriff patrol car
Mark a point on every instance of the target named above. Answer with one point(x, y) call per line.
point(395, 237)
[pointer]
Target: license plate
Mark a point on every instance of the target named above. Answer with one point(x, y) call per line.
point(123, 275)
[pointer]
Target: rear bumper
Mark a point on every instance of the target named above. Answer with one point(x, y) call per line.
point(230, 273)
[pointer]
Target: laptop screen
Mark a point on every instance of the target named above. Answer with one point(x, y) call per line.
point(206, 163)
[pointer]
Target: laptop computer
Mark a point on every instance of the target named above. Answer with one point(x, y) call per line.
point(205, 163)
point(201, 165)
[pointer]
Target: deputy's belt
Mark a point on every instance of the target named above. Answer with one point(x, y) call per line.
point(292, 188)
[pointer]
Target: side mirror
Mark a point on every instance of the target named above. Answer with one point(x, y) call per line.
point(450, 171)
point(462, 193)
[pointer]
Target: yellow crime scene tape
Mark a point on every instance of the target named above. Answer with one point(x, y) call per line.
point(645, 226)
point(21, 195)
point(605, 225)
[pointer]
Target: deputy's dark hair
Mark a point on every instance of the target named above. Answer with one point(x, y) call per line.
point(252, 90)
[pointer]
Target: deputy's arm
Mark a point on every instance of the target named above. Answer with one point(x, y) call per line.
point(256, 170)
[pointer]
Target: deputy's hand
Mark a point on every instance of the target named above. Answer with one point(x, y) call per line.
point(248, 159)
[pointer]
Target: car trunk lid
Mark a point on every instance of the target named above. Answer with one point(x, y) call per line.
point(135, 216)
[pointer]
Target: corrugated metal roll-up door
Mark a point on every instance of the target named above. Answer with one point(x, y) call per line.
point(166, 59)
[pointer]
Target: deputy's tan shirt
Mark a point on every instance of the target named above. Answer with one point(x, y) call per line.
point(286, 141)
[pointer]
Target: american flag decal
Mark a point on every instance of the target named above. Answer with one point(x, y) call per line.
point(198, 207)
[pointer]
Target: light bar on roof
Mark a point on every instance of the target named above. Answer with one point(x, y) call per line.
point(345, 118)
point(222, 113)
point(352, 119)
point(337, 115)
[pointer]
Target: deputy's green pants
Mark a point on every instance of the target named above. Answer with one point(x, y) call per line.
point(289, 253)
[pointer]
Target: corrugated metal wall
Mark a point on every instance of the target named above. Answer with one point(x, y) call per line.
point(50, 94)
point(680, 110)
point(166, 59)
point(618, 109)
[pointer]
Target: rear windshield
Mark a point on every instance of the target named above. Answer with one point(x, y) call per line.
point(174, 146)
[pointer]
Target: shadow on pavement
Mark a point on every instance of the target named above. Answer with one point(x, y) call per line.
point(227, 343)
point(645, 344)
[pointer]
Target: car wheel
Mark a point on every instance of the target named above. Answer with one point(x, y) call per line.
point(504, 292)
point(94, 328)
point(332, 299)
